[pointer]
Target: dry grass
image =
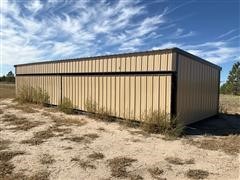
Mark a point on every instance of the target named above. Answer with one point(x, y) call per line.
point(155, 172)
point(140, 132)
point(83, 163)
point(230, 104)
point(4, 144)
point(19, 123)
point(41, 175)
point(101, 129)
point(99, 114)
point(76, 139)
point(7, 90)
point(66, 106)
point(25, 108)
point(91, 136)
point(63, 121)
point(96, 155)
point(178, 161)
point(47, 114)
point(8, 155)
point(197, 174)
point(135, 177)
point(40, 137)
point(228, 144)
point(119, 166)
point(6, 169)
point(86, 138)
point(161, 123)
point(46, 159)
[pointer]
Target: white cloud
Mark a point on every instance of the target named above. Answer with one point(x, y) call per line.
point(226, 34)
point(216, 52)
point(57, 29)
point(34, 5)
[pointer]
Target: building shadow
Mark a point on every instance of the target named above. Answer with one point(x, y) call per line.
point(220, 125)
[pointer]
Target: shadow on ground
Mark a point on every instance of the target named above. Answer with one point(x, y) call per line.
point(221, 125)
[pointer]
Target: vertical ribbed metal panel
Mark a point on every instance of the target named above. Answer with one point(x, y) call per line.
point(197, 90)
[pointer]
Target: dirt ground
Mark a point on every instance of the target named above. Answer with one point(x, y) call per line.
point(42, 143)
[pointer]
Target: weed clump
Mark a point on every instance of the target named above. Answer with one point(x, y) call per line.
point(96, 155)
point(98, 113)
point(28, 94)
point(84, 164)
point(155, 172)
point(46, 159)
point(119, 166)
point(178, 161)
point(20, 123)
point(66, 106)
point(197, 174)
point(158, 122)
point(228, 144)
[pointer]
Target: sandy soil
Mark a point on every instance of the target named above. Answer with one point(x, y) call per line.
point(70, 158)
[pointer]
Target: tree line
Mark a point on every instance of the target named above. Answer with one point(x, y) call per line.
point(9, 77)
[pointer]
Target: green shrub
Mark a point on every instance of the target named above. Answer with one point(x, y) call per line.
point(28, 94)
point(66, 106)
point(158, 122)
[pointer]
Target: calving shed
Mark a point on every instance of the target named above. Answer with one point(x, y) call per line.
point(170, 81)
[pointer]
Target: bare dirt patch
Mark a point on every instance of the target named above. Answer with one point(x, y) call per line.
point(99, 150)
point(119, 166)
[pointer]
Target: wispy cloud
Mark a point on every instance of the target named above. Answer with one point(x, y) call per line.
point(217, 52)
point(227, 33)
point(56, 29)
point(63, 29)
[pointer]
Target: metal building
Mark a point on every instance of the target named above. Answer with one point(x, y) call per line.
point(172, 81)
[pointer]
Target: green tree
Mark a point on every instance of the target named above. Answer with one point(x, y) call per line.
point(10, 74)
point(232, 86)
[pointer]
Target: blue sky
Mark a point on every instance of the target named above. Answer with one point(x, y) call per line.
point(41, 30)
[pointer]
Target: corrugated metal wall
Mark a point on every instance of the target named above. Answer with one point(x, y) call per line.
point(51, 84)
point(148, 62)
point(124, 95)
point(197, 90)
point(130, 85)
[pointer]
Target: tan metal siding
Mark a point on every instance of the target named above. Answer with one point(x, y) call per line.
point(150, 62)
point(124, 96)
point(197, 92)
